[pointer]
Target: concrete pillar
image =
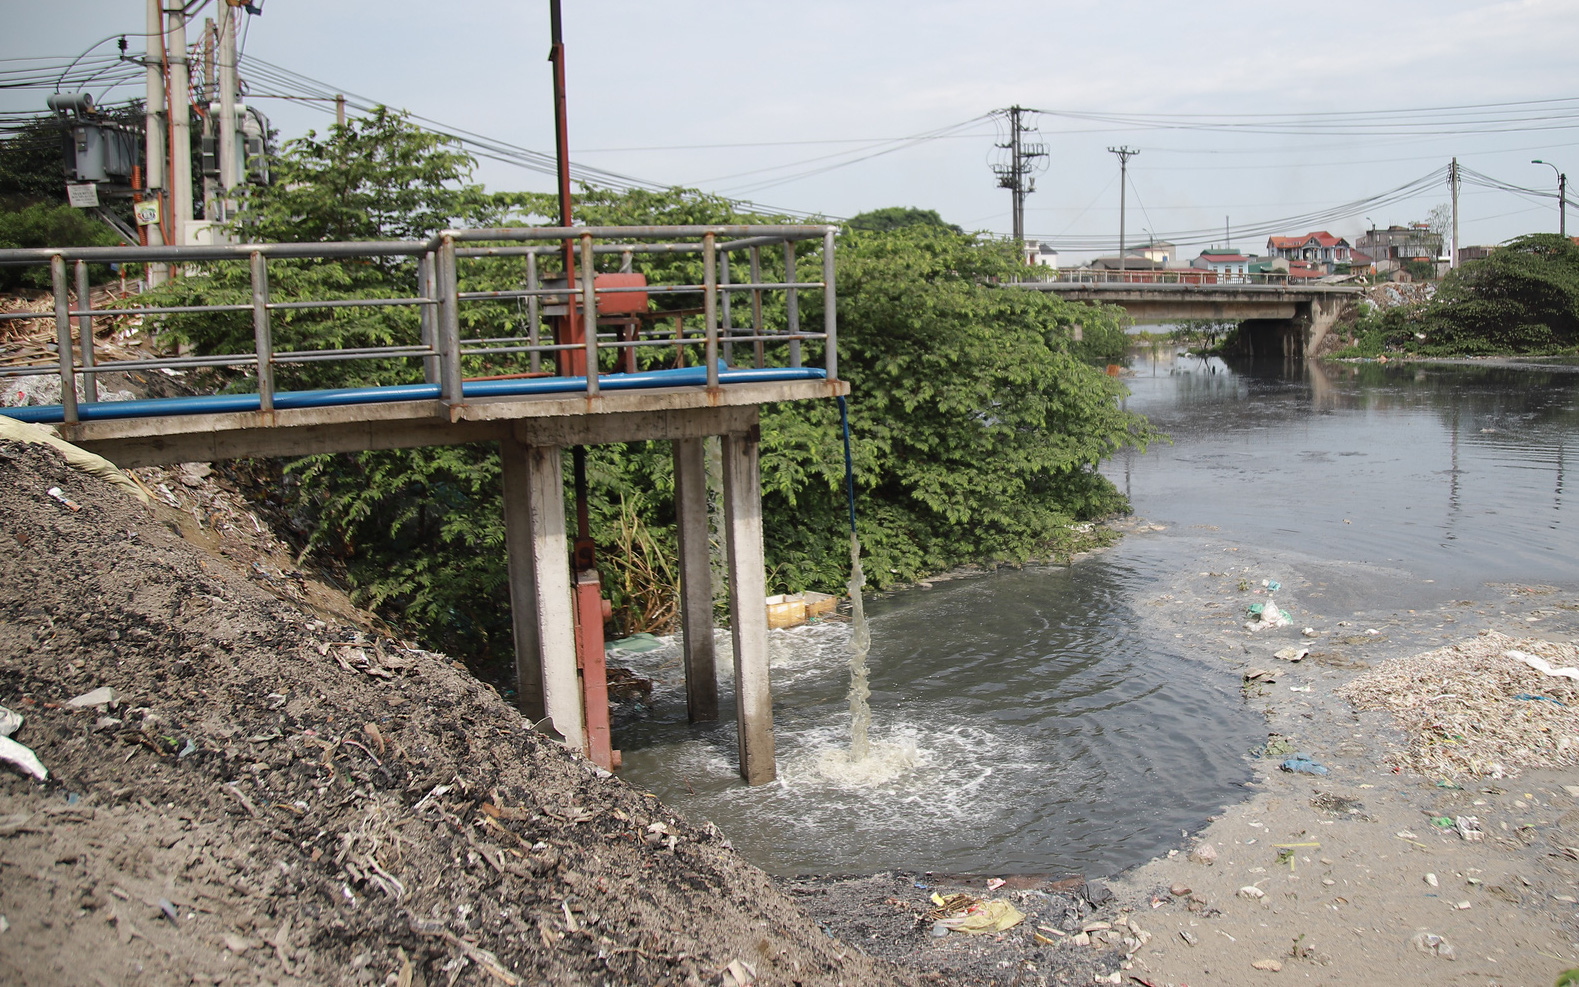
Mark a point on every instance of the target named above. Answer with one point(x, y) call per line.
point(540, 596)
point(523, 581)
point(696, 580)
point(747, 605)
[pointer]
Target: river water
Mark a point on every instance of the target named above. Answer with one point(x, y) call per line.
point(1048, 720)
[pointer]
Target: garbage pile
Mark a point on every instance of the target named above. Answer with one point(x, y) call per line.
point(1484, 707)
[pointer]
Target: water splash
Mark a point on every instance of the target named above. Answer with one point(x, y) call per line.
point(860, 644)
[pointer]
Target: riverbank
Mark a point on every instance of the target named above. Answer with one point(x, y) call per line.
point(1342, 864)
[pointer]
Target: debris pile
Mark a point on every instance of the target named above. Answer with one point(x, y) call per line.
point(241, 792)
point(1480, 707)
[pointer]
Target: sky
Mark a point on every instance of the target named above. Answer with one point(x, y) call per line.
point(1251, 117)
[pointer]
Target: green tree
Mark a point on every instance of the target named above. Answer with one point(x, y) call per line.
point(47, 225)
point(979, 421)
point(1523, 298)
point(897, 218)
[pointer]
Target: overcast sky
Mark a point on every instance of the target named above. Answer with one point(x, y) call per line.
point(751, 99)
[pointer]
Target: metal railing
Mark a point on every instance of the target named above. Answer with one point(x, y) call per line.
point(1196, 277)
point(438, 299)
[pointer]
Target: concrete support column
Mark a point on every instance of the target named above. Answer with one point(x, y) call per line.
point(696, 591)
point(540, 594)
point(747, 593)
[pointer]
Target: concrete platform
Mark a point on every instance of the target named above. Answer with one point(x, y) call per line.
point(533, 420)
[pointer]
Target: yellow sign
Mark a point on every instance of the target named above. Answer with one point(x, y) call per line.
point(147, 213)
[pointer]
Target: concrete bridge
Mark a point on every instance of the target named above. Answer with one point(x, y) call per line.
point(1292, 320)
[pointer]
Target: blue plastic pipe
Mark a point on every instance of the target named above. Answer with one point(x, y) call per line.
point(211, 404)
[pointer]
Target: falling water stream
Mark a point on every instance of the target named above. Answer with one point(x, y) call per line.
point(860, 644)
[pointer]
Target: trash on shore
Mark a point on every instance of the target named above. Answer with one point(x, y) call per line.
point(1433, 945)
point(971, 915)
point(1265, 615)
point(1459, 706)
point(1303, 764)
point(23, 757)
point(1292, 654)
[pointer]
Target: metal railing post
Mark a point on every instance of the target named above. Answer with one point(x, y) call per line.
point(450, 388)
point(68, 376)
point(90, 383)
point(757, 328)
point(830, 308)
point(589, 306)
point(728, 327)
point(428, 315)
point(710, 305)
point(262, 332)
point(534, 312)
point(791, 303)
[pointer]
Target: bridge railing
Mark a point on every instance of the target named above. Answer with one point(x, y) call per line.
point(731, 309)
point(1194, 277)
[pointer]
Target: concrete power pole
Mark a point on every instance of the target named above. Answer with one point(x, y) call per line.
point(1016, 175)
point(154, 145)
point(1124, 154)
point(229, 153)
point(1452, 177)
point(180, 114)
point(1562, 196)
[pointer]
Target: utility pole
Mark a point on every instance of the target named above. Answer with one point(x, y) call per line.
point(180, 113)
point(154, 144)
point(1016, 175)
point(1562, 196)
point(1452, 177)
point(229, 152)
point(1124, 154)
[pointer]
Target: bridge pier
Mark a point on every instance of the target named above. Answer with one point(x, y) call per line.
point(548, 677)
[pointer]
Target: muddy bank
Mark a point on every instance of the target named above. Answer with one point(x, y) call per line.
point(275, 798)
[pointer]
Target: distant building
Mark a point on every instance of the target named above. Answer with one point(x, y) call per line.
point(1224, 263)
point(1397, 245)
point(1157, 250)
point(1474, 253)
point(1039, 254)
point(1129, 262)
point(1319, 247)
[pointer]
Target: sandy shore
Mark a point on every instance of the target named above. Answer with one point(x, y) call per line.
point(1355, 882)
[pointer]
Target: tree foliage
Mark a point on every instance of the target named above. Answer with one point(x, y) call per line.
point(1523, 298)
point(44, 224)
point(978, 420)
point(892, 218)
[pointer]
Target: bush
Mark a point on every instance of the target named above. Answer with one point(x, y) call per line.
point(45, 225)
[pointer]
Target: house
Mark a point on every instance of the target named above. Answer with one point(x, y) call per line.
point(1397, 245)
point(1223, 263)
point(1321, 247)
point(1157, 250)
point(1039, 254)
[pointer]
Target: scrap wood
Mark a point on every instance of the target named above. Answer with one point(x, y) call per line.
point(489, 962)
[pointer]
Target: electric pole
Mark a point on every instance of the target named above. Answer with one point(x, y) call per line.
point(1016, 174)
point(180, 113)
point(229, 153)
point(1562, 196)
point(154, 144)
point(1124, 154)
point(1452, 179)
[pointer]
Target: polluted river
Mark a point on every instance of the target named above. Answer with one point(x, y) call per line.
point(1060, 720)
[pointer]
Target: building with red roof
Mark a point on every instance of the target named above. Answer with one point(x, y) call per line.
point(1319, 247)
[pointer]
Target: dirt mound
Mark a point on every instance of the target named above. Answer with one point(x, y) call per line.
point(272, 798)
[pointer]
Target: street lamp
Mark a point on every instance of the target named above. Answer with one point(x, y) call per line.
point(1562, 196)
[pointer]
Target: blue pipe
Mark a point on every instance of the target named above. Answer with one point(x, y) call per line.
point(210, 404)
